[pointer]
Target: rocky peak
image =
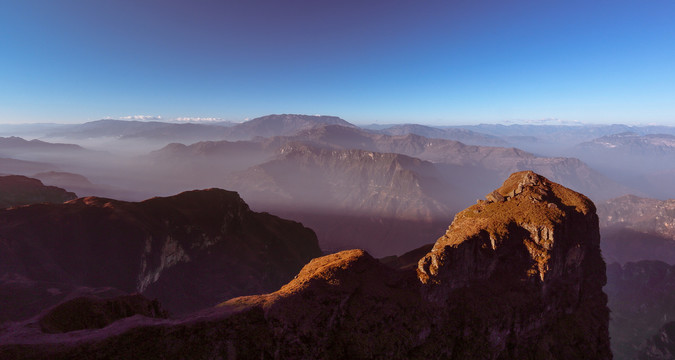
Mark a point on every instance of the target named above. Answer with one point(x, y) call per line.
point(531, 240)
point(527, 214)
point(518, 275)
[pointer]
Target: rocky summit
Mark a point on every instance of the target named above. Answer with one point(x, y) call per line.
point(526, 262)
point(517, 276)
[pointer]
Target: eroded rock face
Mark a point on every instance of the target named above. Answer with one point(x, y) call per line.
point(532, 250)
point(519, 276)
point(190, 251)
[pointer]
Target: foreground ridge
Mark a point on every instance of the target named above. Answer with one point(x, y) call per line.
point(517, 276)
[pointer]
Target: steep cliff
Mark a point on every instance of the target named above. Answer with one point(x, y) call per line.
point(529, 255)
point(190, 251)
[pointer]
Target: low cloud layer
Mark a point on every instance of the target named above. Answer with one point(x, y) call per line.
point(141, 117)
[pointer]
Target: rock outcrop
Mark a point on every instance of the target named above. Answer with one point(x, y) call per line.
point(519, 276)
point(529, 255)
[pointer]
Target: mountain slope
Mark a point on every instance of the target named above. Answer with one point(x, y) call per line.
point(386, 203)
point(18, 190)
point(189, 250)
point(457, 134)
point(474, 161)
point(349, 305)
point(280, 125)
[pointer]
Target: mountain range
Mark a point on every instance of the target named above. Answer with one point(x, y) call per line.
point(360, 188)
point(190, 250)
point(518, 275)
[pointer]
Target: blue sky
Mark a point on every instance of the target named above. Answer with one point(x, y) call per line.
point(426, 61)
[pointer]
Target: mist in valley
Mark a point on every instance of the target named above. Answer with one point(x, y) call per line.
point(388, 192)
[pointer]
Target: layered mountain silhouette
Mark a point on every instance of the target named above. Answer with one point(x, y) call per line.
point(519, 275)
point(394, 192)
point(42, 152)
point(465, 136)
point(12, 146)
point(122, 129)
point(281, 125)
point(190, 250)
point(455, 156)
point(266, 126)
point(383, 202)
point(76, 182)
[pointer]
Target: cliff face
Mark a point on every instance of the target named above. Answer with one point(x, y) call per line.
point(518, 276)
point(190, 250)
point(529, 255)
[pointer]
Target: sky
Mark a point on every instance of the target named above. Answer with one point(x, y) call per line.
point(438, 62)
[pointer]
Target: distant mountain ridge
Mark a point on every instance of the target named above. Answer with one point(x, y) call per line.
point(458, 134)
point(266, 126)
point(339, 191)
point(318, 163)
point(125, 129)
point(281, 125)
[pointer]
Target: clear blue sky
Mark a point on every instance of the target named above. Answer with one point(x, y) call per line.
point(426, 61)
